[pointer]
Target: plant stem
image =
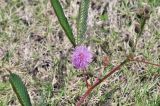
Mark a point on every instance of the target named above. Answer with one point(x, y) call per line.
point(100, 80)
point(85, 78)
point(143, 21)
point(109, 74)
point(146, 62)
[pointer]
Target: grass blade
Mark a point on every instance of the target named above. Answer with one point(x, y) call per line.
point(63, 20)
point(82, 19)
point(20, 89)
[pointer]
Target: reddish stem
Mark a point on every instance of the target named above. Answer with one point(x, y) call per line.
point(146, 62)
point(87, 84)
point(85, 78)
point(106, 76)
point(100, 80)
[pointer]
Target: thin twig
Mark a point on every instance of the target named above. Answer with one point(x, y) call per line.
point(110, 73)
point(85, 78)
point(146, 62)
point(101, 80)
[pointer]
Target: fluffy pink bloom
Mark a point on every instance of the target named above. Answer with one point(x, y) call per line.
point(81, 57)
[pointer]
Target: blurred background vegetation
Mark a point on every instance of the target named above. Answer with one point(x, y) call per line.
point(34, 46)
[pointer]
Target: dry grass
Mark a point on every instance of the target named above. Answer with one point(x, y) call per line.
point(34, 46)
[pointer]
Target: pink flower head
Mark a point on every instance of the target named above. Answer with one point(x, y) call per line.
point(81, 57)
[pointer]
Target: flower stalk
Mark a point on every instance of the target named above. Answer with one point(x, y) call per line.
point(115, 69)
point(100, 80)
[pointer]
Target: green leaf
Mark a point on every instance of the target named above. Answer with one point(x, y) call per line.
point(63, 20)
point(154, 2)
point(158, 70)
point(103, 17)
point(20, 89)
point(4, 86)
point(82, 19)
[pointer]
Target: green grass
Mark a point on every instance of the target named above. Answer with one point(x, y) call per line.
point(35, 47)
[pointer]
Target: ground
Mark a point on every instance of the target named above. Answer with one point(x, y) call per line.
point(34, 46)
